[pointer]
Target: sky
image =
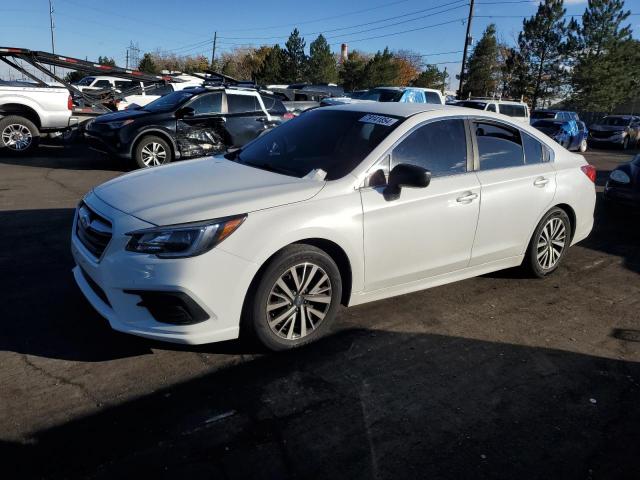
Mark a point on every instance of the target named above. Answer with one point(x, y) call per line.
point(433, 28)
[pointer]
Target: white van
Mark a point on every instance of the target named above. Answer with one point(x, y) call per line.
point(518, 110)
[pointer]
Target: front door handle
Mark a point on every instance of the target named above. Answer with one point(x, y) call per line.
point(541, 182)
point(468, 197)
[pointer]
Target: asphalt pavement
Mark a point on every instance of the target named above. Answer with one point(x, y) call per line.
point(500, 376)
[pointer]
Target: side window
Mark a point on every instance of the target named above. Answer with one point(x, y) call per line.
point(123, 84)
point(513, 110)
point(433, 97)
point(102, 84)
point(499, 146)
point(242, 103)
point(491, 107)
point(440, 147)
point(158, 90)
point(534, 152)
point(207, 104)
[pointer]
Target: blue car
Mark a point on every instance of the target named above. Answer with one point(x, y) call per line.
point(571, 134)
point(553, 115)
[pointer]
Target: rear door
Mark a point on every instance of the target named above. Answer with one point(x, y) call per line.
point(203, 132)
point(518, 184)
point(245, 116)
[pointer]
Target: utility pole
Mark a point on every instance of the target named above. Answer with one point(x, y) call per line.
point(53, 46)
point(127, 65)
point(444, 80)
point(213, 52)
point(467, 41)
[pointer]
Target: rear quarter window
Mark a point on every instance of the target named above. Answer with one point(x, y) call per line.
point(513, 110)
point(433, 97)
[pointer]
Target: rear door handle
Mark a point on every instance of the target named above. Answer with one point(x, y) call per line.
point(541, 182)
point(468, 197)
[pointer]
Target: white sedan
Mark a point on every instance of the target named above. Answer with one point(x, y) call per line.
point(343, 205)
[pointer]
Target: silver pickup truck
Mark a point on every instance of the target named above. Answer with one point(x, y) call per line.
point(28, 110)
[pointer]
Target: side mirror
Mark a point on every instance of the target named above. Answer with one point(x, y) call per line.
point(405, 175)
point(185, 112)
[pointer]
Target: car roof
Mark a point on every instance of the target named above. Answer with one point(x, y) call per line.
point(397, 109)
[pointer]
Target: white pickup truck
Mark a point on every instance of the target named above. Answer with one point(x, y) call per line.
point(28, 110)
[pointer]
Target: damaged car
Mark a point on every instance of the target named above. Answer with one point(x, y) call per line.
point(189, 123)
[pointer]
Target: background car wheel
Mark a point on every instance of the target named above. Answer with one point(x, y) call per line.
point(296, 299)
point(18, 135)
point(583, 146)
point(152, 151)
point(549, 243)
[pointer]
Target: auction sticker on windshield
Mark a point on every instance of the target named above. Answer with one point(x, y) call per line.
point(378, 120)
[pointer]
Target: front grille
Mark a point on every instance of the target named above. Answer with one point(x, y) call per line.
point(93, 230)
point(597, 134)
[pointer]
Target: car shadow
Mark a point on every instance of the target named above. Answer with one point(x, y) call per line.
point(359, 405)
point(75, 156)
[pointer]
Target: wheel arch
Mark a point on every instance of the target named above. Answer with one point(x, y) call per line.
point(570, 213)
point(154, 133)
point(22, 111)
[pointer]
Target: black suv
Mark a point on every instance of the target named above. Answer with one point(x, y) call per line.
point(193, 122)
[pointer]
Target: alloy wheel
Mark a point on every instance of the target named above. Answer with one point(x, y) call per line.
point(551, 243)
point(153, 154)
point(299, 301)
point(16, 137)
point(583, 145)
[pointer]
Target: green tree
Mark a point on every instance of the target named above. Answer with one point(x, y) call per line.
point(514, 80)
point(381, 70)
point(483, 69)
point(147, 64)
point(602, 49)
point(542, 46)
point(431, 77)
point(352, 72)
point(296, 59)
point(106, 61)
point(272, 68)
point(74, 76)
point(322, 64)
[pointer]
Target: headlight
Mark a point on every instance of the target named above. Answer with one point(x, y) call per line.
point(619, 176)
point(185, 240)
point(120, 123)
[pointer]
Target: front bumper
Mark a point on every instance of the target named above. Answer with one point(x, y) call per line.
point(107, 142)
point(606, 141)
point(108, 283)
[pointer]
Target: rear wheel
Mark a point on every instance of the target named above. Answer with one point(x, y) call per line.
point(583, 145)
point(549, 243)
point(296, 299)
point(152, 151)
point(18, 135)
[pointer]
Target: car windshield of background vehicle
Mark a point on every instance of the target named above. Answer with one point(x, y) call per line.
point(382, 95)
point(548, 126)
point(333, 141)
point(513, 110)
point(543, 115)
point(168, 102)
point(86, 81)
point(476, 105)
point(615, 122)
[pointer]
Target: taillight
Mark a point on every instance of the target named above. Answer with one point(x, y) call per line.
point(589, 171)
point(69, 103)
point(288, 116)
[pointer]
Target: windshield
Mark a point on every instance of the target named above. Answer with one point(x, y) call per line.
point(476, 105)
point(169, 102)
point(86, 81)
point(543, 115)
point(615, 121)
point(547, 126)
point(382, 95)
point(330, 140)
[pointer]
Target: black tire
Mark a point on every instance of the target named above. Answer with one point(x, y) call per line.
point(267, 290)
point(147, 145)
point(13, 125)
point(533, 263)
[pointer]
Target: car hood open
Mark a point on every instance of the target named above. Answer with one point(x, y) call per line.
point(202, 189)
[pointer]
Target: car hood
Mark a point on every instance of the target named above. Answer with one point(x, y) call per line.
point(202, 189)
point(121, 115)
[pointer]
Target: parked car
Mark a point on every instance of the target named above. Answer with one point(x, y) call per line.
point(623, 185)
point(103, 82)
point(570, 134)
point(554, 115)
point(347, 204)
point(152, 92)
point(615, 130)
point(517, 110)
point(188, 123)
point(391, 94)
point(27, 110)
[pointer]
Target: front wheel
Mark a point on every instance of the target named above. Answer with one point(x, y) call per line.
point(296, 299)
point(549, 243)
point(18, 135)
point(152, 151)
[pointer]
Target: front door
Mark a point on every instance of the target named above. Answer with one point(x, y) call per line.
point(518, 185)
point(245, 118)
point(202, 132)
point(426, 231)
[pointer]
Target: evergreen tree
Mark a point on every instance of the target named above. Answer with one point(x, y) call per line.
point(75, 76)
point(147, 64)
point(542, 46)
point(296, 59)
point(322, 64)
point(381, 70)
point(272, 68)
point(352, 72)
point(106, 61)
point(514, 78)
point(483, 69)
point(602, 49)
point(431, 77)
